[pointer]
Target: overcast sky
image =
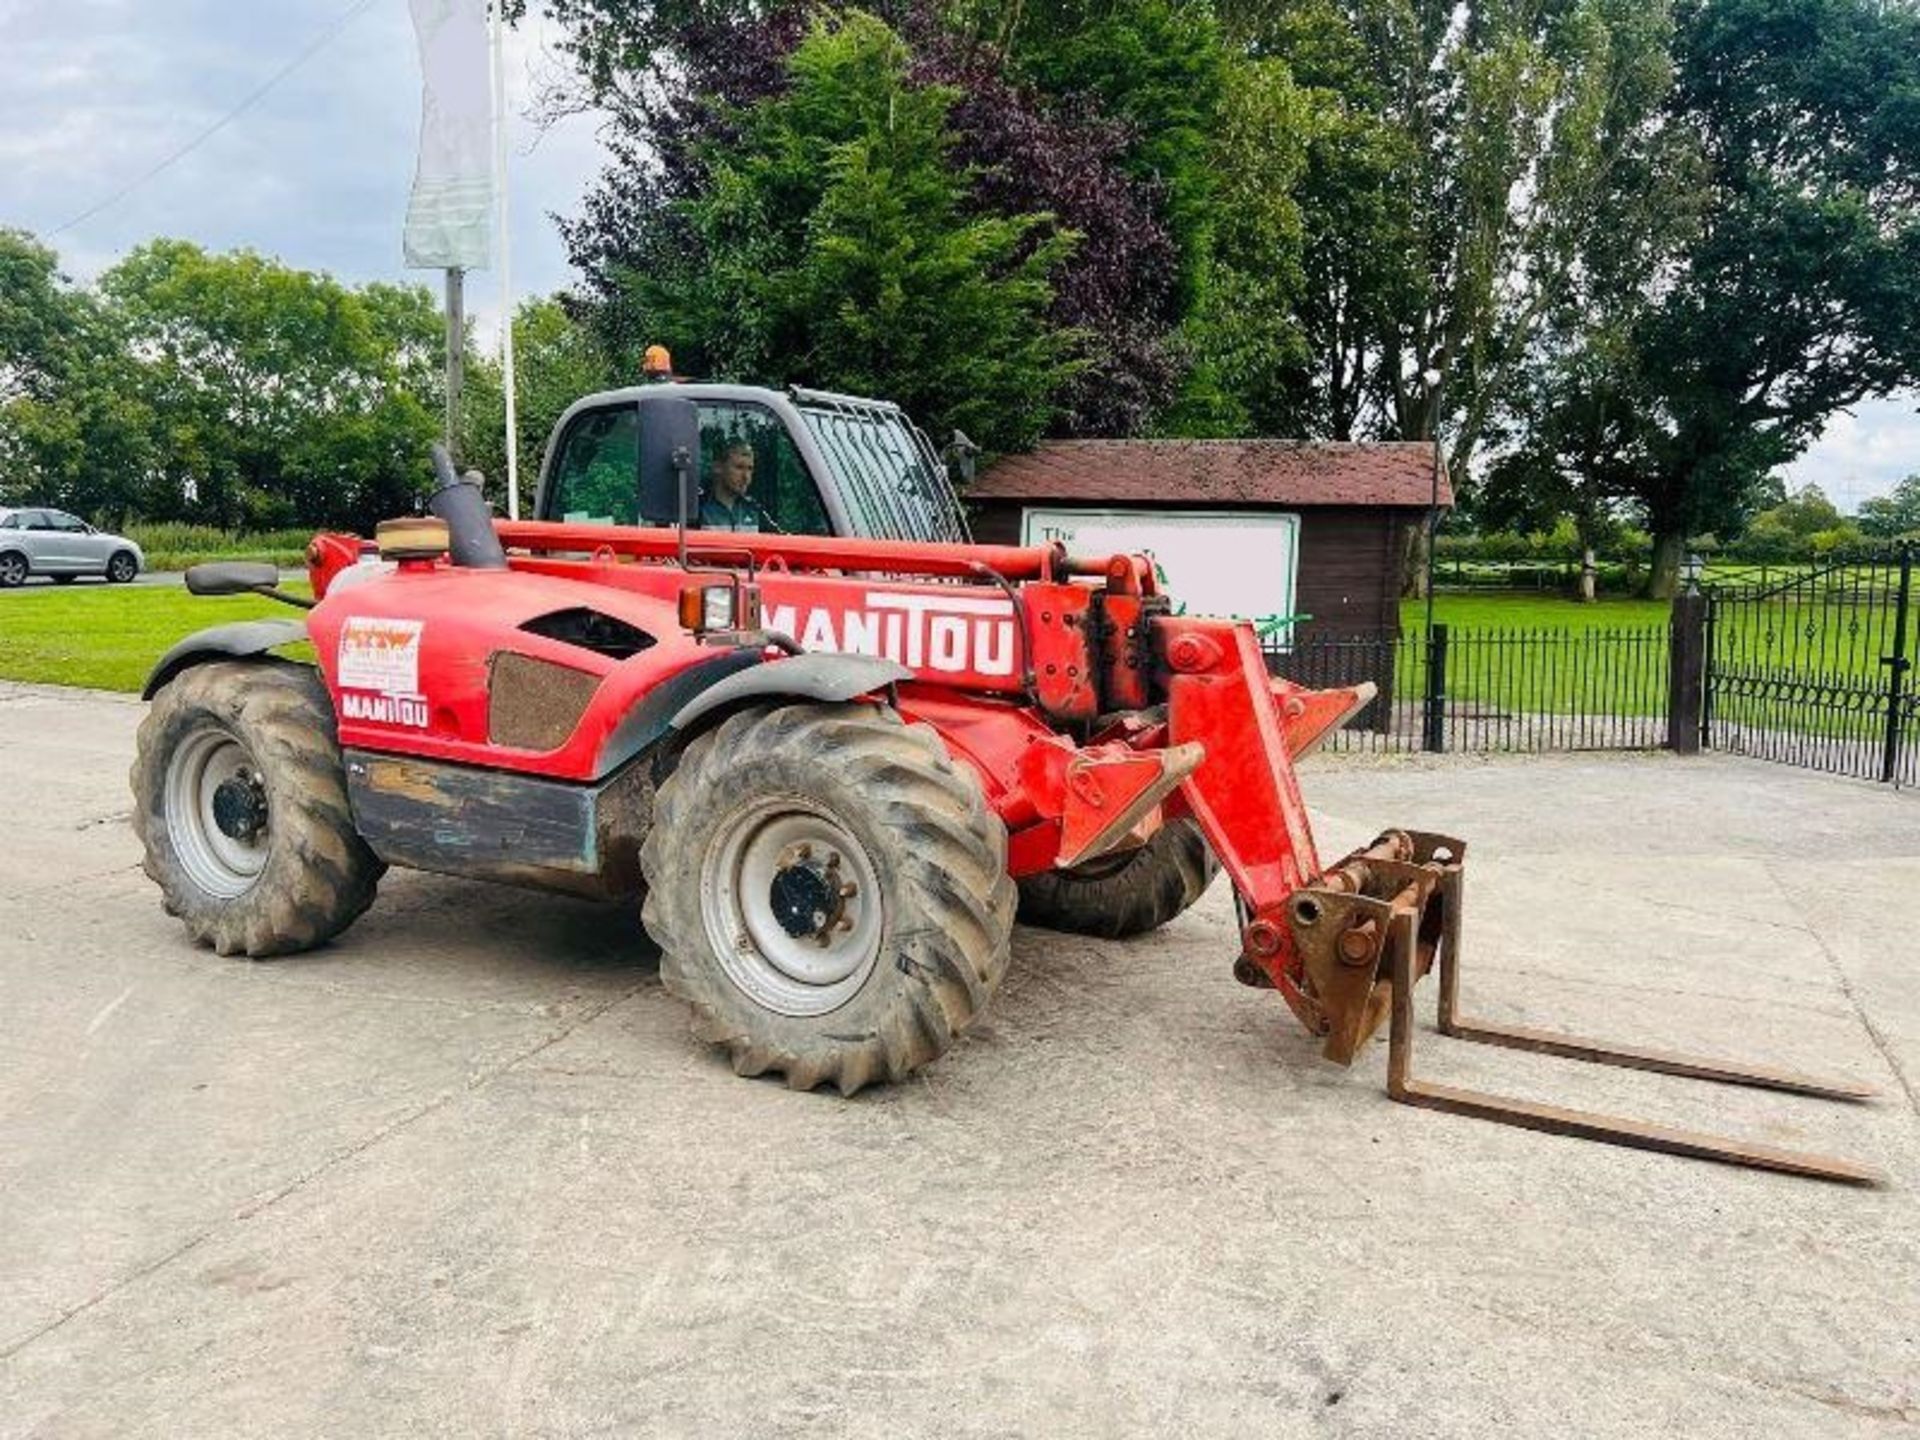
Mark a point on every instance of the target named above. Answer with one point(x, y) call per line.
point(94, 93)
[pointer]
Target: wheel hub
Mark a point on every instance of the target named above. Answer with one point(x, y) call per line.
point(810, 899)
point(240, 806)
point(216, 811)
point(792, 905)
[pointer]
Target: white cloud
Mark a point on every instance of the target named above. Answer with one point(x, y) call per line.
point(93, 93)
point(1864, 453)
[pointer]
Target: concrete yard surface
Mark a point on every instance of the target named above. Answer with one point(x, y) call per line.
point(465, 1172)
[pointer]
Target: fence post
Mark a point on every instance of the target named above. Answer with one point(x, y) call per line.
point(1434, 730)
point(1687, 672)
point(1897, 665)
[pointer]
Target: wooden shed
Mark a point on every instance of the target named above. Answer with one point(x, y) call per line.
point(1322, 527)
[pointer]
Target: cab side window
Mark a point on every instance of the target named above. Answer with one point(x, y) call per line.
point(60, 521)
point(596, 478)
point(782, 498)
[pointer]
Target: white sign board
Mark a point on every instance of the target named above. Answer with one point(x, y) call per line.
point(1239, 563)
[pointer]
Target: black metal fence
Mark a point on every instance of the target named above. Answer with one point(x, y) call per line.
point(1812, 668)
point(1815, 669)
point(1495, 688)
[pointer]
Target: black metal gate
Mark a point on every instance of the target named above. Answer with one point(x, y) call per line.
point(1816, 669)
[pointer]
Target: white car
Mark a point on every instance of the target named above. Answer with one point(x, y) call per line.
point(53, 543)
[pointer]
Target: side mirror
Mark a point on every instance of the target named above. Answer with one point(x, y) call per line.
point(960, 454)
point(231, 577)
point(669, 450)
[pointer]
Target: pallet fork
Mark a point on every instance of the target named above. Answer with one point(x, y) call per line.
point(1406, 890)
point(1346, 945)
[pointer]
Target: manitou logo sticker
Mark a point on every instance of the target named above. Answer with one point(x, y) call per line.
point(384, 709)
point(380, 655)
point(954, 634)
point(379, 672)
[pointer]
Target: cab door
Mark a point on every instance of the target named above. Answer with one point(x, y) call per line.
point(781, 498)
point(595, 474)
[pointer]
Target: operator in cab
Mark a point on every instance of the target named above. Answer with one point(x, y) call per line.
point(726, 505)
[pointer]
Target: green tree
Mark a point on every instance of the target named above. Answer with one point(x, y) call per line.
point(74, 432)
point(1243, 339)
point(1163, 68)
point(277, 396)
point(1897, 515)
point(38, 317)
point(1464, 167)
point(1802, 294)
point(831, 245)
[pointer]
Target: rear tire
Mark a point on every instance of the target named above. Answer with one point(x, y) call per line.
point(13, 570)
point(1121, 895)
point(241, 802)
point(829, 893)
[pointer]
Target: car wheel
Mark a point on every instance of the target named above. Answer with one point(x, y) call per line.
point(122, 567)
point(13, 570)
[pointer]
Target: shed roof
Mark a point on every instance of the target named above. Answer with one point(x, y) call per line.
point(1239, 472)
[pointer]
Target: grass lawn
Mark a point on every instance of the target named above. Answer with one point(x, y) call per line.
point(106, 637)
point(1533, 612)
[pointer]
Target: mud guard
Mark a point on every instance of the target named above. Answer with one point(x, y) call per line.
point(813, 676)
point(223, 642)
point(738, 675)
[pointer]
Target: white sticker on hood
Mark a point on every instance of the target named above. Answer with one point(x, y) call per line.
point(380, 655)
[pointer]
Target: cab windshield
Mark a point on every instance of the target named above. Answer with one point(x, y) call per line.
point(887, 472)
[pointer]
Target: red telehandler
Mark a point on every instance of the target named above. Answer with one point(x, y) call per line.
point(830, 764)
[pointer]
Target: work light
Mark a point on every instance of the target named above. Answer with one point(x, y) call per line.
point(729, 606)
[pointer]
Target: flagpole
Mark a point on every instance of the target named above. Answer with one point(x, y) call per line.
point(456, 352)
point(498, 41)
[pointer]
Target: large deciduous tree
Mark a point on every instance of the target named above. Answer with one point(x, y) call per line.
point(1793, 291)
point(74, 430)
point(1464, 165)
point(277, 395)
point(1802, 294)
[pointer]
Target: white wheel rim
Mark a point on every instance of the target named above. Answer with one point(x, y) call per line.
point(221, 862)
point(763, 863)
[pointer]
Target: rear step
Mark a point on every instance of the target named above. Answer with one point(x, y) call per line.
point(1373, 928)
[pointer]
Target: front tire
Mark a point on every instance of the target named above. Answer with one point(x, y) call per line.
point(13, 570)
point(1114, 897)
point(241, 802)
point(829, 893)
point(122, 567)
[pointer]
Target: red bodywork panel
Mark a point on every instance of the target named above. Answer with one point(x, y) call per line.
point(440, 627)
point(1013, 658)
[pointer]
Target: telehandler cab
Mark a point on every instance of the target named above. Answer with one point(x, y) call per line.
point(832, 765)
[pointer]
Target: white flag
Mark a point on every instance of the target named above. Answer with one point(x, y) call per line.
point(452, 202)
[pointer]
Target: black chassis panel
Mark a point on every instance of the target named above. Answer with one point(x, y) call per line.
point(500, 825)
